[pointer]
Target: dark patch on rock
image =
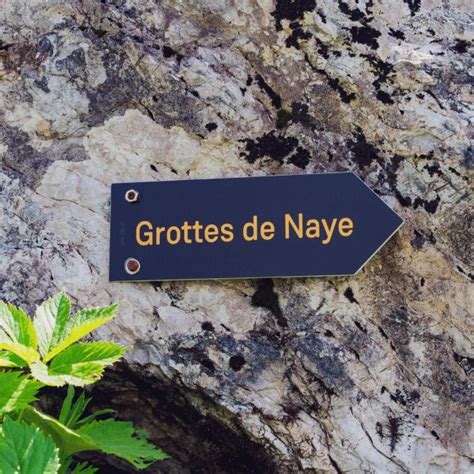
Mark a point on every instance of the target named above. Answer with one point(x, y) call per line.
point(45, 46)
point(323, 50)
point(271, 145)
point(381, 68)
point(405, 201)
point(228, 344)
point(365, 35)
point(265, 297)
point(274, 97)
point(461, 46)
point(379, 430)
point(291, 410)
point(208, 364)
point(433, 169)
point(363, 152)
point(335, 465)
point(457, 173)
point(168, 411)
point(408, 398)
point(236, 362)
point(413, 5)
point(21, 160)
point(197, 354)
point(169, 52)
point(125, 89)
point(324, 361)
point(397, 34)
point(74, 64)
point(291, 10)
point(383, 333)
point(211, 126)
point(300, 114)
point(431, 94)
point(349, 294)
point(360, 327)
point(276, 147)
point(468, 160)
point(122, 90)
point(418, 240)
point(394, 424)
point(207, 326)
point(297, 35)
point(458, 232)
point(429, 206)
point(299, 158)
point(466, 363)
point(346, 97)
point(42, 83)
point(283, 117)
point(354, 14)
point(465, 272)
point(447, 379)
point(384, 97)
point(396, 323)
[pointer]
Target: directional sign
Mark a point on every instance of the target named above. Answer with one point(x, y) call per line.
point(278, 226)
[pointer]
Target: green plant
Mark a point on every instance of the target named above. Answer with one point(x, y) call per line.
point(46, 351)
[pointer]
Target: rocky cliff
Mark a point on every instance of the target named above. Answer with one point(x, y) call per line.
point(361, 374)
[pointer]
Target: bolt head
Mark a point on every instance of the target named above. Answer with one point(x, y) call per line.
point(131, 195)
point(132, 266)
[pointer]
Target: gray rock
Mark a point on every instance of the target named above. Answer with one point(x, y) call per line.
point(362, 374)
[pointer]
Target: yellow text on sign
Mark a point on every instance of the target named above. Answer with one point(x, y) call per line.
point(294, 227)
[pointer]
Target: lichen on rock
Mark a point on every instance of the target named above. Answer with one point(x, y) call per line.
point(366, 374)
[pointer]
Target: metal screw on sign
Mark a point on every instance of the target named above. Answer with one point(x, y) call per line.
point(131, 195)
point(132, 266)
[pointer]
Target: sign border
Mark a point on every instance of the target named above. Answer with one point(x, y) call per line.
point(259, 277)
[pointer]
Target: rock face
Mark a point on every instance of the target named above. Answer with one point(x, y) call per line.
point(362, 374)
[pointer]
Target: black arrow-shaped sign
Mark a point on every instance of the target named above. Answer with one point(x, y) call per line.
point(278, 226)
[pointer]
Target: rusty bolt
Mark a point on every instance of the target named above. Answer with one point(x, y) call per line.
point(132, 266)
point(131, 195)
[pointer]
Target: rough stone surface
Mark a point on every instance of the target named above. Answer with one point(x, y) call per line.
point(362, 374)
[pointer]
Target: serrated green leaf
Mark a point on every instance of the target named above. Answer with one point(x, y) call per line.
point(109, 436)
point(17, 391)
point(28, 354)
point(94, 416)
point(66, 405)
point(90, 314)
point(25, 449)
point(83, 375)
point(8, 359)
point(84, 468)
point(72, 410)
point(104, 353)
point(79, 365)
point(16, 326)
point(80, 325)
point(50, 321)
point(122, 440)
point(68, 441)
point(17, 336)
